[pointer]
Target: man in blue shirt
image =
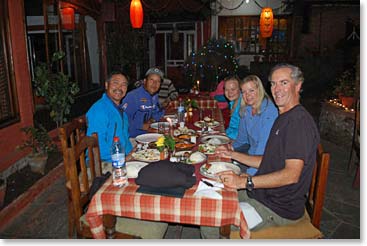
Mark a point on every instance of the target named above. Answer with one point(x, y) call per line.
point(142, 105)
point(107, 118)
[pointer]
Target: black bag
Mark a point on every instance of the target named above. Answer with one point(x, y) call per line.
point(166, 174)
point(97, 183)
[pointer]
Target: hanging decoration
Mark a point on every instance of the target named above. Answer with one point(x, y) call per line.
point(67, 18)
point(136, 14)
point(266, 22)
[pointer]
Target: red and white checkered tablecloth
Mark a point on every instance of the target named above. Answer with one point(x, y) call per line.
point(127, 202)
point(202, 103)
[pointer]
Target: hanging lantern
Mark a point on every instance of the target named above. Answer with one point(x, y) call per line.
point(136, 14)
point(67, 18)
point(266, 22)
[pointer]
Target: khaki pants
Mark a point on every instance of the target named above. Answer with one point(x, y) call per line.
point(269, 218)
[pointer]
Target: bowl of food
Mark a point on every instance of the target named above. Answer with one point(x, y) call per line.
point(196, 158)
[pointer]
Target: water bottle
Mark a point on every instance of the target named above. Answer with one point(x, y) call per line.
point(119, 173)
point(181, 111)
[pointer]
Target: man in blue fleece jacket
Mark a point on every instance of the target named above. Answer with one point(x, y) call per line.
point(142, 105)
point(107, 118)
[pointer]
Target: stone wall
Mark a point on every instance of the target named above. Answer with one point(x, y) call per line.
point(336, 124)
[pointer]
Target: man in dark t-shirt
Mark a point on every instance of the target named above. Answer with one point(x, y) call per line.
point(278, 190)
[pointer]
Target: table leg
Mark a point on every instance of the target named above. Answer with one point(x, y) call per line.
point(224, 231)
point(109, 223)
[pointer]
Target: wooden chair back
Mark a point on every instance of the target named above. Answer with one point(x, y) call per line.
point(79, 176)
point(316, 195)
point(70, 134)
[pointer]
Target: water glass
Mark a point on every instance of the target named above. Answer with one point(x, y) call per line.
point(161, 126)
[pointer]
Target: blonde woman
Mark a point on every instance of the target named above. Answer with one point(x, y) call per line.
point(233, 93)
point(257, 116)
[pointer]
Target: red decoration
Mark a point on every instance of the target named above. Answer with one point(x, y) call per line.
point(266, 22)
point(136, 14)
point(67, 18)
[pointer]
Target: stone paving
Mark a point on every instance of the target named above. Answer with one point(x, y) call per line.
point(46, 217)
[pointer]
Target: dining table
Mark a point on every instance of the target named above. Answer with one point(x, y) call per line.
point(109, 202)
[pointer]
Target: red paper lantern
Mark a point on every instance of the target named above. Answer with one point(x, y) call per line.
point(266, 22)
point(67, 18)
point(136, 14)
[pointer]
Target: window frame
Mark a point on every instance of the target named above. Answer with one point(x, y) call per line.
point(246, 34)
point(13, 106)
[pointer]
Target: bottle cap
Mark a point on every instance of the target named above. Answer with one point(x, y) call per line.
point(116, 139)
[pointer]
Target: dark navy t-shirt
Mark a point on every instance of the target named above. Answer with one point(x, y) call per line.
point(294, 135)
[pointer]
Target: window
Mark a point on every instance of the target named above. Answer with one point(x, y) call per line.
point(81, 47)
point(9, 111)
point(244, 32)
point(179, 49)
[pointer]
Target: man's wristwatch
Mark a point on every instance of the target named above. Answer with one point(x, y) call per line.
point(249, 184)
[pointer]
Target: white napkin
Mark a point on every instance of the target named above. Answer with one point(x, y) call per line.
point(251, 215)
point(204, 190)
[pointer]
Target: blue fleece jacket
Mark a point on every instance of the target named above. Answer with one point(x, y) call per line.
point(102, 118)
point(234, 122)
point(255, 129)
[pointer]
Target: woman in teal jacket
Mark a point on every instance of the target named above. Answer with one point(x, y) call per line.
point(233, 94)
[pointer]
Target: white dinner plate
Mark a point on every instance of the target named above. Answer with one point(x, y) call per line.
point(147, 155)
point(218, 166)
point(133, 168)
point(148, 137)
point(172, 116)
point(155, 125)
point(200, 123)
point(215, 139)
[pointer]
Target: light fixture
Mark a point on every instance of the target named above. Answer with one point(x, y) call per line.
point(136, 14)
point(266, 22)
point(67, 18)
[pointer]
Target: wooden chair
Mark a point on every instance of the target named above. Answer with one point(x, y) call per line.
point(309, 226)
point(69, 135)
point(79, 176)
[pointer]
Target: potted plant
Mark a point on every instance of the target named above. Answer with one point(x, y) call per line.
point(56, 88)
point(345, 87)
point(165, 143)
point(41, 144)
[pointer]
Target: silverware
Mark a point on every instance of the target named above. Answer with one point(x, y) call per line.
point(207, 183)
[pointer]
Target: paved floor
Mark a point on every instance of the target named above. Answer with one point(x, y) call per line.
point(46, 217)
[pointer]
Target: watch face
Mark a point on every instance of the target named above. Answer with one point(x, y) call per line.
point(250, 184)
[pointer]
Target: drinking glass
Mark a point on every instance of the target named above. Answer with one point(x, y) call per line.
point(161, 126)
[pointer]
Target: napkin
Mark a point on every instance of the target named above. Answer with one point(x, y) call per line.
point(204, 190)
point(251, 215)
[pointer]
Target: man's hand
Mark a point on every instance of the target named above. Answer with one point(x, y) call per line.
point(223, 151)
point(146, 125)
point(232, 180)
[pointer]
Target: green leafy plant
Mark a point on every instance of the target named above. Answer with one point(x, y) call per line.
point(165, 141)
point(56, 88)
point(190, 103)
point(345, 83)
point(38, 140)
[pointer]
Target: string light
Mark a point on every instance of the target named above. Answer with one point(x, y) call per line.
point(336, 103)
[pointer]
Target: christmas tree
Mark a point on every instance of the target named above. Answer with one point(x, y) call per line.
point(211, 63)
